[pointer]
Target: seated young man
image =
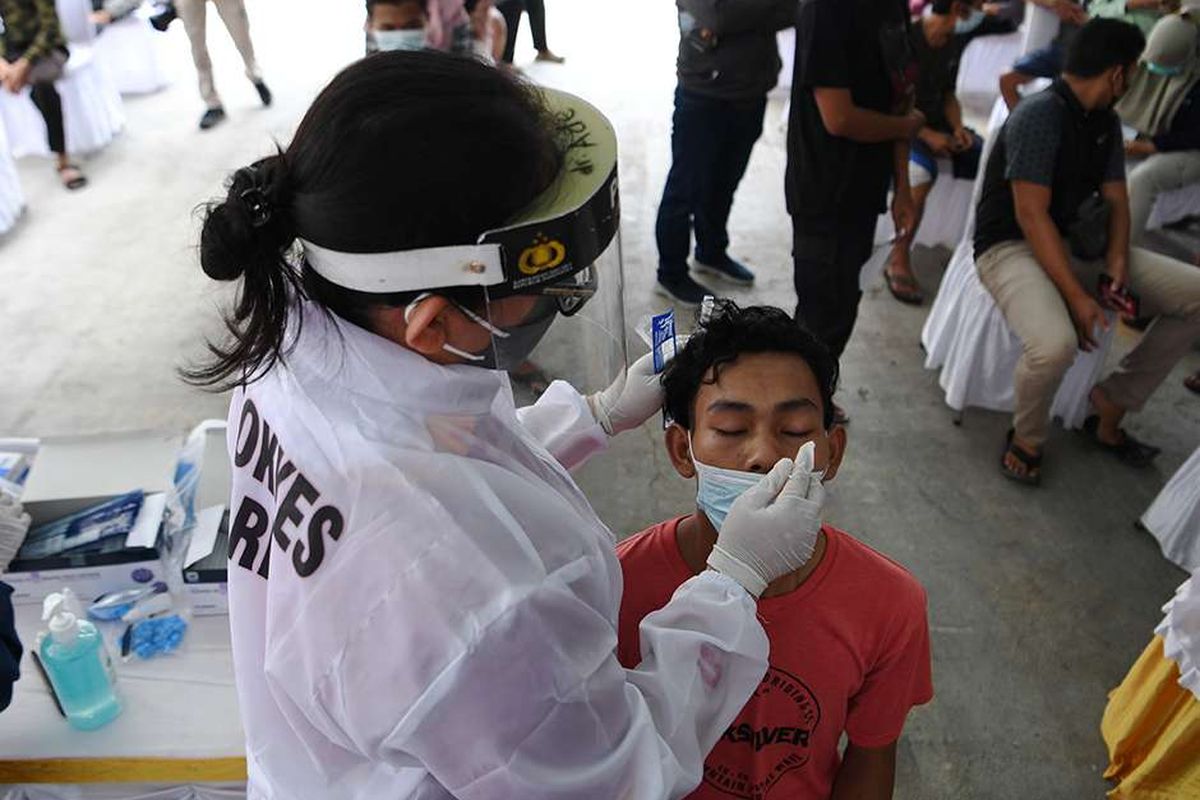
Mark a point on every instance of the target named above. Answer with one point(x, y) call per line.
point(396, 25)
point(937, 40)
point(848, 632)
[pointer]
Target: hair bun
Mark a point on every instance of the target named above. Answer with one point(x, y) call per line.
point(250, 227)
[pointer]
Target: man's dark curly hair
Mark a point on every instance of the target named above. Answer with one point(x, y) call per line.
point(731, 331)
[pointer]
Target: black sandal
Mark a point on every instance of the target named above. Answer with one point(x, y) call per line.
point(1031, 461)
point(77, 181)
point(1128, 451)
point(904, 288)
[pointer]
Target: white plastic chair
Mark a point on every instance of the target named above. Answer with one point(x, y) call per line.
point(12, 200)
point(92, 110)
point(129, 50)
point(1174, 516)
point(966, 336)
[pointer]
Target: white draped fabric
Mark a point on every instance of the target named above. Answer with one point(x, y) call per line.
point(92, 110)
point(983, 62)
point(129, 51)
point(1174, 516)
point(12, 200)
point(1180, 630)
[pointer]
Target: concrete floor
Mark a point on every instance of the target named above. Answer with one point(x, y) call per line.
point(1039, 600)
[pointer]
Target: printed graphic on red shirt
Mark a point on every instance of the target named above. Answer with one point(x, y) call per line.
point(773, 732)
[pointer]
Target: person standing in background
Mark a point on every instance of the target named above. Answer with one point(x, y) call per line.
point(233, 14)
point(33, 53)
point(848, 132)
point(511, 9)
point(728, 61)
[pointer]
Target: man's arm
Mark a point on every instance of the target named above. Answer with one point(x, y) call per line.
point(1117, 258)
point(731, 17)
point(1032, 201)
point(842, 117)
point(867, 773)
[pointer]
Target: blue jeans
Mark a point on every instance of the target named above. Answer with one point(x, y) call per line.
point(711, 140)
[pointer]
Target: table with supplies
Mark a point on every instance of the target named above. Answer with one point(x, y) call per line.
point(179, 734)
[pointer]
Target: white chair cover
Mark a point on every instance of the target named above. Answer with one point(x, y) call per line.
point(1041, 26)
point(1174, 516)
point(785, 40)
point(92, 111)
point(75, 21)
point(123, 791)
point(1175, 205)
point(129, 51)
point(983, 62)
point(12, 200)
point(1180, 630)
point(966, 336)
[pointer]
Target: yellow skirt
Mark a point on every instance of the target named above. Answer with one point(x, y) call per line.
point(1152, 729)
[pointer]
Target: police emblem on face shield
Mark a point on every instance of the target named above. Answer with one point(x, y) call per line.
point(544, 254)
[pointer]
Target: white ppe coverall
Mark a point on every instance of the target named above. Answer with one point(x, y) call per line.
point(424, 605)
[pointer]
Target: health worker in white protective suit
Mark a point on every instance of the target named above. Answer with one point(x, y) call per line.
point(422, 602)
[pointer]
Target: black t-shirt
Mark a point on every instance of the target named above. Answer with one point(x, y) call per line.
point(937, 72)
point(860, 45)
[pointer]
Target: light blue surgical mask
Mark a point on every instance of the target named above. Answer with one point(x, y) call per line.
point(717, 489)
point(1164, 70)
point(413, 39)
point(973, 21)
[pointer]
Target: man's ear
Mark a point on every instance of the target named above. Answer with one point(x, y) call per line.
point(679, 452)
point(425, 325)
point(837, 449)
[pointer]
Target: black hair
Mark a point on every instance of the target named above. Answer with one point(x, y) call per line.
point(731, 331)
point(402, 150)
point(372, 3)
point(1102, 44)
point(942, 7)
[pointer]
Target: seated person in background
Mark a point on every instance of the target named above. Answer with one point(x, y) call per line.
point(489, 31)
point(1163, 106)
point(1047, 62)
point(396, 25)
point(10, 647)
point(33, 53)
point(848, 632)
point(106, 12)
point(1052, 225)
point(936, 51)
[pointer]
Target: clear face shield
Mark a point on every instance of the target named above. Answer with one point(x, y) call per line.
point(546, 289)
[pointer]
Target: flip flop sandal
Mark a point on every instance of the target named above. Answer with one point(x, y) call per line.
point(1128, 451)
point(535, 380)
point(1192, 383)
point(904, 288)
point(1031, 461)
point(72, 177)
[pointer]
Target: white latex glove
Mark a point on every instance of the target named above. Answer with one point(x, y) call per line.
point(772, 528)
point(634, 397)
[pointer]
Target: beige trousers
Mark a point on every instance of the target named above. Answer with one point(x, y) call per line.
point(233, 14)
point(1037, 313)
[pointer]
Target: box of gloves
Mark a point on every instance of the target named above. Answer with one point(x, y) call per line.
point(95, 509)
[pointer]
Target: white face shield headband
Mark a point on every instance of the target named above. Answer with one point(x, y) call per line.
point(550, 249)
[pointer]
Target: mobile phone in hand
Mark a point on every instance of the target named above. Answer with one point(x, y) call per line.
point(1119, 299)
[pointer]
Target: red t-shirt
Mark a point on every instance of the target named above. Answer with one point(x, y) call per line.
point(849, 652)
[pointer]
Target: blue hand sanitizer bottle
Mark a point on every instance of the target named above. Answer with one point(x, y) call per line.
point(74, 658)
